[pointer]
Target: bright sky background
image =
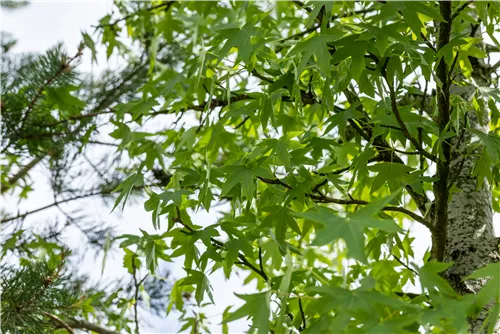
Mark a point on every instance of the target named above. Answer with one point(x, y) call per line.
point(40, 26)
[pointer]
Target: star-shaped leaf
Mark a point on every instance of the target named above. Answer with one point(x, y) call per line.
point(202, 284)
point(351, 228)
point(244, 175)
point(282, 218)
point(239, 38)
point(394, 174)
point(317, 47)
point(257, 307)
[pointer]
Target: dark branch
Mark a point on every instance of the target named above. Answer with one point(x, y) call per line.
point(326, 199)
point(460, 9)
point(166, 4)
point(23, 172)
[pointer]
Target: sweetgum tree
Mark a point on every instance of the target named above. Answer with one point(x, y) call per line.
point(322, 133)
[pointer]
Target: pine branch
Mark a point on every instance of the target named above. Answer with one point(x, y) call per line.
point(56, 203)
point(25, 170)
point(5, 220)
point(65, 66)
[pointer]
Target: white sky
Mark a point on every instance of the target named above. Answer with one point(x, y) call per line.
point(40, 26)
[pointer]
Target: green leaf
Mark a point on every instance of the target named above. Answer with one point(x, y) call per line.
point(394, 174)
point(317, 6)
point(281, 218)
point(245, 175)
point(341, 119)
point(91, 45)
point(491, 289)
point(257, 307)
point(126, 187)
point(233, 248)
point(240, 38)
point(432, 281)
point(279, 148)
point(492, 143)
point(482, 169)
point(317, 47)
point(202, 284)
point(67, 104)
point(131, 261)
point(350, 229)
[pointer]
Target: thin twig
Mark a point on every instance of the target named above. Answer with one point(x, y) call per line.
point(401, 123)
point(136, 296)
point(404, 264)
point(326, 199)
point(167, 4)
point(56, 203)
point(5, 220)
point(460, 9)
point(302, 315)
point(421, 111)
point(454, 63)
point(261, 262)
point(221, 245)
point(242, 122)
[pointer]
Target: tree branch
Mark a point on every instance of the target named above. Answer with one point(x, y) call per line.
point(65, 66)
point(25, 170)
point(441, 192)
point(166, 4)
point(302, 315)
point(59, 322)
point(400, 121)
point(221, 245)
point(326, 199)
point(460, 9)
point(83, 324)
point(383, 149)
point(136, 296)
point(5, 220)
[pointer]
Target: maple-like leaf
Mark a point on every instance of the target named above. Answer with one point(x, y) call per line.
point(281, 217)
point(245, 175)
point(240, 38)
point(394, 174)
point(351, 228)
point(317, 47)
point(257, 307)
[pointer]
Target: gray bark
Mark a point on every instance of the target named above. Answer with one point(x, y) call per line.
point(471, 243)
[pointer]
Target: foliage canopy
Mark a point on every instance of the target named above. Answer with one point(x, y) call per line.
point(317, 133)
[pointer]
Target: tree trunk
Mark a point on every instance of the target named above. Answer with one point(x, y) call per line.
point(471, 243)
